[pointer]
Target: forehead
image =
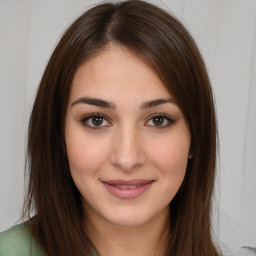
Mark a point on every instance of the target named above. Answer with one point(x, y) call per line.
point(117, 71)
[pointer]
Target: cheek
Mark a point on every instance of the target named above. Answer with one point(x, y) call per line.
point(172, 155)
point(171, 160)
point(85, 155)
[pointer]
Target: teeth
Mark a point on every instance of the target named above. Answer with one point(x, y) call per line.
point(127, 186)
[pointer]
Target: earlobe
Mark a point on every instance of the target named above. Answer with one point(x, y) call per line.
point(191, 152)
point(190, 155)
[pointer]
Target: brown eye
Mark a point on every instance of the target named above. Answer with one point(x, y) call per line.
point(95, 121)
point(158, 120)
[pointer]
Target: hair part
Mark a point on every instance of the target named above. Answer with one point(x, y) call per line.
point(163, 43)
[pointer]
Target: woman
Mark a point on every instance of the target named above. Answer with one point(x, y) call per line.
point(122, 141)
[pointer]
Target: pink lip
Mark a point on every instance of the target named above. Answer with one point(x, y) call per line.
point(127, 193)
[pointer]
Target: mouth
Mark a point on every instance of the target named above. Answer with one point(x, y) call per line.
point(127, 186)
point(127, 189)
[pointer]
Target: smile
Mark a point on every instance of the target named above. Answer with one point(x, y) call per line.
point(127, 189)
point(127, 186)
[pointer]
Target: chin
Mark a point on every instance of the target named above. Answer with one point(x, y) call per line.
point(129, 217)
point(127, 222)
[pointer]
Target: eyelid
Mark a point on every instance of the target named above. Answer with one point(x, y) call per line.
point(87, 117)
point(165, 116)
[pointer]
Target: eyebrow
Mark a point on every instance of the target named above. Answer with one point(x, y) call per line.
point(157, 102)
point(94, 102)
point(108, 104)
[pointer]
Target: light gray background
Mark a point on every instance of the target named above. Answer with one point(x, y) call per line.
point(226, 34)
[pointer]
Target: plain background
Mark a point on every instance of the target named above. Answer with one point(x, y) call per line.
point(226, 35)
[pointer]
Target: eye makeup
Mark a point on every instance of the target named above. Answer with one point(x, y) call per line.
point(160, 121)
point(98, 121)
point(95, 121)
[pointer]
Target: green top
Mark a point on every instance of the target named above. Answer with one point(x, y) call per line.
point(17, 241)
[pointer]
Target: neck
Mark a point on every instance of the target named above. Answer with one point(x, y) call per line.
point(148, 239)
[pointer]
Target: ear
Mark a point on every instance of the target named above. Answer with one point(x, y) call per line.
point(190, 155)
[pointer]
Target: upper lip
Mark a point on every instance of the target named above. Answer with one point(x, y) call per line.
point(127, 182)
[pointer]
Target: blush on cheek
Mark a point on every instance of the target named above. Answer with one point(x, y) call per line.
point(84, 159)
point(172, 152)
point(172, 162)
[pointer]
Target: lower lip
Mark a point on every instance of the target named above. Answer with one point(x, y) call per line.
point(127, 193)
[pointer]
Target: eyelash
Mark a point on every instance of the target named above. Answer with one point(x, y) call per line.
point(94, 115)
point(165, 117)
point(104, 118)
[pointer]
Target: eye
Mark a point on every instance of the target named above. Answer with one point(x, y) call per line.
point(95, 121)
point(159, 121)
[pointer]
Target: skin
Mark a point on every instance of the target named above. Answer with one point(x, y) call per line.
point(128, 143)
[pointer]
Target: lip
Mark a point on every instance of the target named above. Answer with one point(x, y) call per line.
point(138, 187)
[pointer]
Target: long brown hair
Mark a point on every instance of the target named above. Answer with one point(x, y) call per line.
point(162, 42)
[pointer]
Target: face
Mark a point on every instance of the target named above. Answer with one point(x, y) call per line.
point(127, 140)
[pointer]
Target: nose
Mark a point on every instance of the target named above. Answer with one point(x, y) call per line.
point(127, 153)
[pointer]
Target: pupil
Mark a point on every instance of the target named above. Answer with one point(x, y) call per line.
point(97, 121)
point(158, 121)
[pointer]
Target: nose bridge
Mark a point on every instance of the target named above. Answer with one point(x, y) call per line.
point(127, 151)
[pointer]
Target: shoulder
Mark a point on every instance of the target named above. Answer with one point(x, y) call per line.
point(18, 241)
